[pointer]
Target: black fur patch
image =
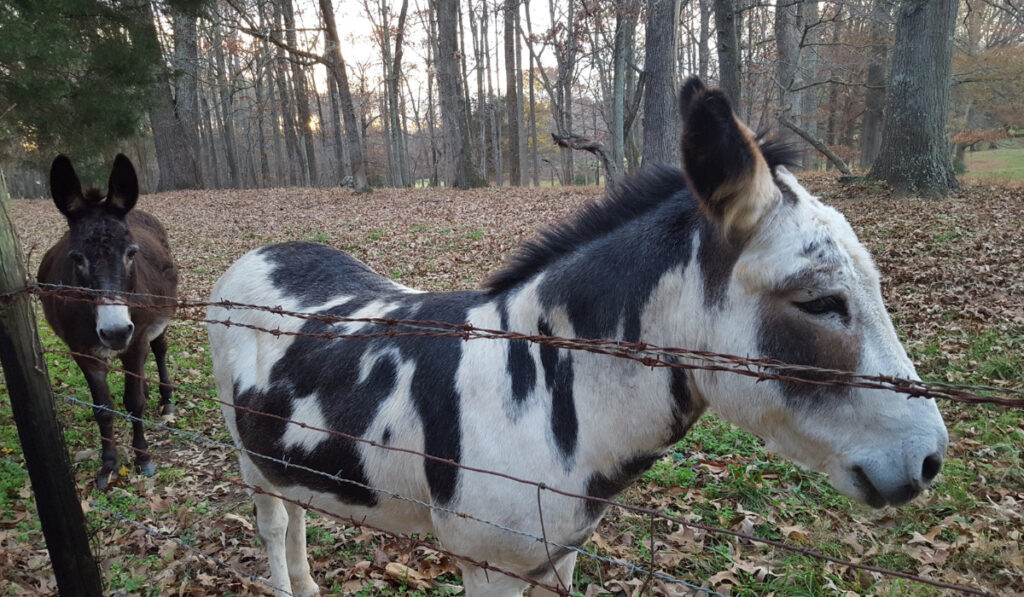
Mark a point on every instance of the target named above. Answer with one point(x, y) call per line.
point(329, 369)
point(558, 375)
point(317, 273)
point(607, 487)
point(521, 369)
point(684, 411)
point(717, 257)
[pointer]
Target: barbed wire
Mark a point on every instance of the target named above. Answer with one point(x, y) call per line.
point(542, 486)
point(197, 437)
point(644, 353)
point(218, 476)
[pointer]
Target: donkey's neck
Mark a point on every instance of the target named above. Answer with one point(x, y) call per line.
point(614, 415)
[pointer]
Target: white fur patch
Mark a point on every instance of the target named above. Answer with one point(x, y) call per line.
point(307, 411)
point(112, 316)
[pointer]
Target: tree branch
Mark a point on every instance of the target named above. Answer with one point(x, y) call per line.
point(821, 147)
point(584, 144)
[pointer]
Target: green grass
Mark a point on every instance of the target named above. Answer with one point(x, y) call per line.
point(1004, 164)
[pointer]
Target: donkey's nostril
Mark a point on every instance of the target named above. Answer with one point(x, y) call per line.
point(931, 467)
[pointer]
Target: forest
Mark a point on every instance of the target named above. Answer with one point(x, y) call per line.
point(398, 93)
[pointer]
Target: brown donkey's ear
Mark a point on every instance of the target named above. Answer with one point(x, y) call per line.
point(722, 162)
point(123, 187)
point(65, 188)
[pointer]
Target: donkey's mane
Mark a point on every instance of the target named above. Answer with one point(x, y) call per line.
point(93, 196)
point(627, 200)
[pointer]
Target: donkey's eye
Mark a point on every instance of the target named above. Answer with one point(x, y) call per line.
point(130, 252)
point(824, 305)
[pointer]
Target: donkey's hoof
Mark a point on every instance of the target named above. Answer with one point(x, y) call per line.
point(103, 479)
point(146, 468)
point(304, 587)
point(167, 409)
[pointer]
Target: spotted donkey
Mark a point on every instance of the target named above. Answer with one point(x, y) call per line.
point(731, 255)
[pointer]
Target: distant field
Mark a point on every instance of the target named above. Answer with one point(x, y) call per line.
point(1003, 164)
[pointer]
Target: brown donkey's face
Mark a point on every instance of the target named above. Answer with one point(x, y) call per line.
point(101, 249)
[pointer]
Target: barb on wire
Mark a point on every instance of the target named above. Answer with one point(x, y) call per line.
point(647, 354)
point(628, 507)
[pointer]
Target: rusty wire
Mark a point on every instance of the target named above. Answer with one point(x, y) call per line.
point(539, 538)
point(542, 486)
point(644, 353)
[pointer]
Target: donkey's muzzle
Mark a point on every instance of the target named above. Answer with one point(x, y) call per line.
point(878, 494)
point(116, 338)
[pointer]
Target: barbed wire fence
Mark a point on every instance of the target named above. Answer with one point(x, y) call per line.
point(646, 354)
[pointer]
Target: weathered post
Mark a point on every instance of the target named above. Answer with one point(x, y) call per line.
point(42, 441)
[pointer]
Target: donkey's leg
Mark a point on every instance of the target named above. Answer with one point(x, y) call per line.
point(272, 524)
point(134, 362)
point(159, 346)
point(563, 579)
point(96, 376)
point(303, 584)
point(486, 583)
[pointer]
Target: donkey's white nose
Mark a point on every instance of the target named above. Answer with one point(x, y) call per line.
point(118, 337)
point(881, 488)
point(114, 325)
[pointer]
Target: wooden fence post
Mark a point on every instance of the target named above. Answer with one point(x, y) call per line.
point(42, 440)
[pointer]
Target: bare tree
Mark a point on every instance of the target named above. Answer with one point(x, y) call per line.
point(336, 64)
point(661, 133)
point(874, 93)
point(728, 44)
point(175, 143)
point(915, 154)
point(460, 170)
point(515, 175)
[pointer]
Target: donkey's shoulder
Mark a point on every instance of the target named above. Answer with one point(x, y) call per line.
point(315, 273)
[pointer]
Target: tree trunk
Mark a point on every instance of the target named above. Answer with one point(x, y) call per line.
point(533, 115)
point(789, 28)
point(479, 34)
point(915, 145)
point(661, 129)
point(459, 168)
point(227, 124)
point(301, 97)
point(704, 52)
point(186, 63)
point(515, 175)
point(727, 24)
point(176, 145)
point(336, 65)
point(874, 95)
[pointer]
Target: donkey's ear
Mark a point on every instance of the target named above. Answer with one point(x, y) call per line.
point(722, 162)
point(691, 88)
point(123, 187)
point(65, 188)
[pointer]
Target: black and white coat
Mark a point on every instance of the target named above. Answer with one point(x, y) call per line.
point(731, 256)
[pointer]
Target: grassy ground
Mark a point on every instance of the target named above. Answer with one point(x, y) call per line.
point(1005, 164)
point(954, 281)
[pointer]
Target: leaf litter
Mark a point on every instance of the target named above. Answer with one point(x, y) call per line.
point(953, 278)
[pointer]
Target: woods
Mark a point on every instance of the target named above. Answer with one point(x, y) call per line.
point(398, 93)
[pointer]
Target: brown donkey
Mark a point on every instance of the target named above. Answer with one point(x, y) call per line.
point(123, 256)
